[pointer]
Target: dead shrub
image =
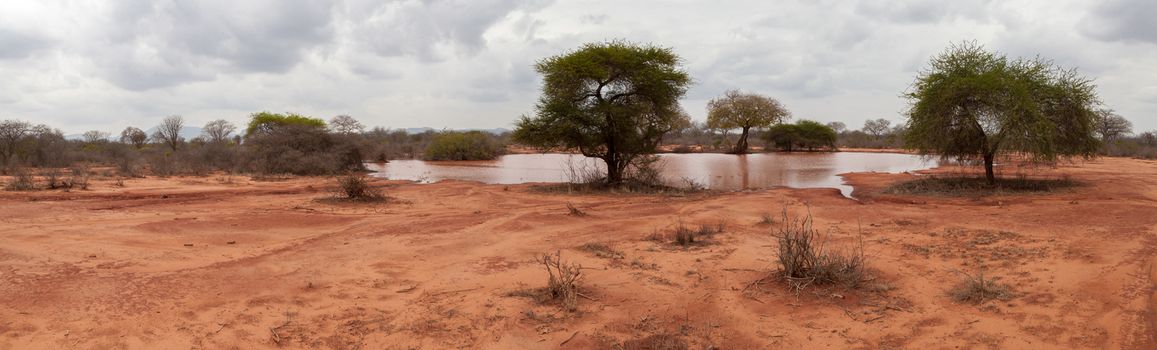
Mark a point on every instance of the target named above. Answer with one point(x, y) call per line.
point(562, 284)
point(354, 186)
point(805, 259)
point(978, 289)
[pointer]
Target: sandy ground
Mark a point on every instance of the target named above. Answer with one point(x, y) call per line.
point(231, 263)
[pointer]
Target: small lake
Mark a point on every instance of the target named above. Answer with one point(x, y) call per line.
point(713, 170)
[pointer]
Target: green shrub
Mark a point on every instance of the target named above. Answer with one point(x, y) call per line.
point(803, 134)
point(468, 145)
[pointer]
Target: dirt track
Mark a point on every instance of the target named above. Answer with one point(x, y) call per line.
point(109, 268)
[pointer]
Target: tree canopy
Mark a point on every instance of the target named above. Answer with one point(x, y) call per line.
point(974, 104)
point(803, 134)
point(612, 100)
point(169, 132)
point(264, 122)
point(739, 110)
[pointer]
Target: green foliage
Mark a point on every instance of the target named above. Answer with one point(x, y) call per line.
point(612, 100)
point(974, 104)
point(264, 122)
point(738, 110)
point(469, 145)
point(803, 134)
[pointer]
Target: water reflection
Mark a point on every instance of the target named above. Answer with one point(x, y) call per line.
point(716, 171)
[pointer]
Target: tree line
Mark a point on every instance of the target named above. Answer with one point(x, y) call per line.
point(269, 144)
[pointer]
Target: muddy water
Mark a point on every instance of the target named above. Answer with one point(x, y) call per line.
point(715, 171)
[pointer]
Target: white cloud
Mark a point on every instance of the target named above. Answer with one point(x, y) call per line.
point(461, 63)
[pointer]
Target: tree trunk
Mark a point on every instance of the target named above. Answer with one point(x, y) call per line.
point(988, 173)
point(614, 170)
point(741, 146)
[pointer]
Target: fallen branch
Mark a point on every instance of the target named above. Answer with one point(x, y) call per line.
point(456, 291)
point(569, 339)
point(586, 297)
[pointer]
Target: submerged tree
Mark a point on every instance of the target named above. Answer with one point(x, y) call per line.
point(612, 100)
point(744, 111)
point(971, 103)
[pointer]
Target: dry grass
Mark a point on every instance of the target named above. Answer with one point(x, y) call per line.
point(602, 250)
point(978, 289)
point(805, 259)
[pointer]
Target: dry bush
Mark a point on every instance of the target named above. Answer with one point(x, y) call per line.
point(766, 219)
point(968, 186)
point(563, 282)
point(22, 180)
point(805, 259)
point(79, 177)
point(978, 289)
point(354, 186)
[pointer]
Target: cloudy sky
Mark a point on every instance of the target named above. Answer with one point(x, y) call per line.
point(104, 65)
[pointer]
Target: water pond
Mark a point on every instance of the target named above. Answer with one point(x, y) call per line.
point(715, 171)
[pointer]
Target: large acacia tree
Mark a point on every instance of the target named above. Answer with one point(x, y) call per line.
point(974, 104)
point(744, 111)
point(612, 100)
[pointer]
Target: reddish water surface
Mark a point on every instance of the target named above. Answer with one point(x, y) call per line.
point(715, 171)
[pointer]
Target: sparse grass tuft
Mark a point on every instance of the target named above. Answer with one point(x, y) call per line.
point(964, 186)
point(766, 219)
point(978, 289)
point(602, 250)
point(804, 259)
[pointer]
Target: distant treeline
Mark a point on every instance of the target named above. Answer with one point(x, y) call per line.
point(269, 144)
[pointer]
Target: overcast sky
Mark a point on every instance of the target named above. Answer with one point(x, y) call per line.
point(104, 65)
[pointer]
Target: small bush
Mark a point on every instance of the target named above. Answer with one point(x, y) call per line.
point(469, 145)
point(804, 259)
point(22, 180)
point(79, 178)
point(355, 187)
point(977, 289)
point(562, 284)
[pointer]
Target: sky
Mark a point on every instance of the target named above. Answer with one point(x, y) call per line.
point(458, 64)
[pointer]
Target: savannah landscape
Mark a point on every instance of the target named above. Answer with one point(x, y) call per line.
point(1036, 227)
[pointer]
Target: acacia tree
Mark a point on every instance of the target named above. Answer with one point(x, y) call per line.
point(134, 136)
point(877, 127)
point(12, 132)
point(971, 103)
point(744, 111)
point(346, 125)
point(612, 100)
point(169, 132)
point(1111, 126)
